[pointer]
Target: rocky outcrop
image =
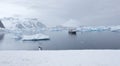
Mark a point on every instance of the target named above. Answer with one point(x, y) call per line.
point(1, 24)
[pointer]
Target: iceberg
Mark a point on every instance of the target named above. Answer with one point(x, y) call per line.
point(35, 37)
point(115, 28)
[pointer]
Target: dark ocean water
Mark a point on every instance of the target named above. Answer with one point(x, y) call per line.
point(62, 40)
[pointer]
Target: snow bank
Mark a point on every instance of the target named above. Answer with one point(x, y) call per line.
point(35, 37)
point(60, 58)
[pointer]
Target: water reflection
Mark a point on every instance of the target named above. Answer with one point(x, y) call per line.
point(72, 33)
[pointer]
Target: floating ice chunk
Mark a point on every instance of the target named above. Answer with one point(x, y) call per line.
point(115, 28)
point(35, 37)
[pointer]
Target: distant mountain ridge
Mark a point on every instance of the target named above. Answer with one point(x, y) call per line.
point(14, 23)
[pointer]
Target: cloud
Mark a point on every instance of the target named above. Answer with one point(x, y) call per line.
point(55, 12)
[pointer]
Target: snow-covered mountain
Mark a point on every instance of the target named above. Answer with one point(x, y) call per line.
point(14, 23)
point(22, 25)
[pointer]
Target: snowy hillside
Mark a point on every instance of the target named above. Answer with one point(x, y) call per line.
point(14, 23)
point(22, 25)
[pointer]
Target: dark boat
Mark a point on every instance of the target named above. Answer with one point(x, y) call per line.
point(72, 31)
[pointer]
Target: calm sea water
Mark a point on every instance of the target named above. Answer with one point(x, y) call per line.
point(64, 41)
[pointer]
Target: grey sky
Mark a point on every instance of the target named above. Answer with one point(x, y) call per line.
point(55, 12)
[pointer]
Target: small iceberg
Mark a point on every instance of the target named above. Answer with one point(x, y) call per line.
point(115, 28)
point(35, 37)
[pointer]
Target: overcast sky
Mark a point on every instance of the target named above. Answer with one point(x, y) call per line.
point(55, 12)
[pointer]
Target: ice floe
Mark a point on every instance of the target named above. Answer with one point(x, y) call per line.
point(115, 28)
point(35, 37)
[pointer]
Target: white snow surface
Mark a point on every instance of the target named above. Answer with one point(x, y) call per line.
point(35, 37)
point(60, 58)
